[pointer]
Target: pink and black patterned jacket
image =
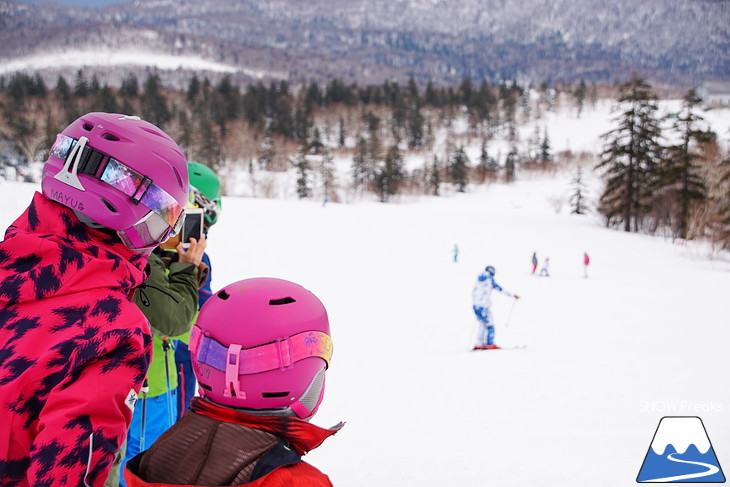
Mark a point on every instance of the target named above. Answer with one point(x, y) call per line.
point(74, 349)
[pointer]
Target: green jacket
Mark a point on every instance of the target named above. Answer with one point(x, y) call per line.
point(169, 301)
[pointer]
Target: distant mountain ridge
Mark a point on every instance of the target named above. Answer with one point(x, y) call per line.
point(678, 42)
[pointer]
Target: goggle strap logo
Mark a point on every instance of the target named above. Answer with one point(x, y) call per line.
point(69, 172)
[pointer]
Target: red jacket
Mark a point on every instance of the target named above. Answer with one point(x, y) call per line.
point(74, 349)
point(233, 447)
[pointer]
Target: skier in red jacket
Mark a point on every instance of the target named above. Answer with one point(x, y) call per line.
point(74, 348)
point(260, 349)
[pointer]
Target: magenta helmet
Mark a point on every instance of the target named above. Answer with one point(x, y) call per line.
point(262, 344)
point(121, 173)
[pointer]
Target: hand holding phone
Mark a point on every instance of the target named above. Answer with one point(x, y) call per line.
point(192, 226)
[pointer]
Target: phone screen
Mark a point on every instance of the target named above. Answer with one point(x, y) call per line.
point(192, 227)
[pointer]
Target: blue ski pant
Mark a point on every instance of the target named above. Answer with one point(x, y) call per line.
point(485, 335)
point(157, 421)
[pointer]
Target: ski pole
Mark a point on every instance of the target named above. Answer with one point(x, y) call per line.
point(183, 397)
point(166, 348)
point(471, 337)
point(145, 389)
point(509, 316)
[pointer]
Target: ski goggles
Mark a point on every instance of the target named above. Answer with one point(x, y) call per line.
point(211, 207)
point(235, 360)
point(166, 215)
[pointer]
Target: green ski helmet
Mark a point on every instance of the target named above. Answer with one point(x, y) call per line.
point(208, 194)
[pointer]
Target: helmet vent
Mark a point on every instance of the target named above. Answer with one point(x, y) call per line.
point(277, 302)
point(109, 206)
point(109, 136)
point(177, 175)
point(224, 295)
point(88, 127)
point(274, 394)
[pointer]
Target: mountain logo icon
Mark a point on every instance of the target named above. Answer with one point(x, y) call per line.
point(681, 452)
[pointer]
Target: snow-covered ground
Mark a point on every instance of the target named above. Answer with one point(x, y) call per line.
point(644, 336)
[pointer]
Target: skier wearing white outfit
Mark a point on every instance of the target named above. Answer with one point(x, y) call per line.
point(482, 301)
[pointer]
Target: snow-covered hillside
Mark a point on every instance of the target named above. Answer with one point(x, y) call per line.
point(644, 336)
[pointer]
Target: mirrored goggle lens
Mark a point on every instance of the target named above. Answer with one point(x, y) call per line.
point(62, 146)
point(148, 232)
point(139, 188)
point(211, 207)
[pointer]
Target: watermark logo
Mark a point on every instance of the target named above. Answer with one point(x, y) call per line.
point(680, 452)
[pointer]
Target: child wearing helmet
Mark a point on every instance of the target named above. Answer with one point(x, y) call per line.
point(206, 194)
point(482, 302)
point(260, 349)
point(75, 347)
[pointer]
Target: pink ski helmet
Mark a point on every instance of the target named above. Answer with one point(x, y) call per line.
point(263, 344)
point(121, 173)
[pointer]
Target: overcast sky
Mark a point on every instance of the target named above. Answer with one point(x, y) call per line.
point(81, 3)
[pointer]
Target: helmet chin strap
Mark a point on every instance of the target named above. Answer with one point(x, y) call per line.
point(68, 174)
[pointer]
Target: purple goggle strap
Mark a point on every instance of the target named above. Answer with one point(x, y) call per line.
point(276, 355)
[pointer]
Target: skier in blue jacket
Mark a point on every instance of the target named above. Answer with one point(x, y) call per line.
point(482, 302)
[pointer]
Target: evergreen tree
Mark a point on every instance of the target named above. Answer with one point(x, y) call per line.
point(488, 168)
point(154, 104)
point(459, 169)
point(130, 86)
point(546, 156)
point(106, 101)
point(95, 86)
point(680, 176)
point(580, 95)
point(185, 140)
point(327, 174)
point(193, 89)
point(722, 233)
point(304, 189)
point(578, 198)
point(315, 145)
point(63, 92)
point(630, 156)
point(341, 132)
point(510, 165)
point(434, 179)
point(390, 174)
point(81, 87)
point(39, 86)
point(267, 151)
point(359, 169)
point(209, 147)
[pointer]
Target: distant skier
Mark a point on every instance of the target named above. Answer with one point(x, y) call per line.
point(545, 269)
point(586, 262)
point(534, 262)
point(482, 302)
point(456, 253)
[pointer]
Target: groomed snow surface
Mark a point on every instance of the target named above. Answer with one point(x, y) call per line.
point(644, 336)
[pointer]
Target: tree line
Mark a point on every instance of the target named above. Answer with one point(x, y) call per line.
point(276, 126)
point(664, 173)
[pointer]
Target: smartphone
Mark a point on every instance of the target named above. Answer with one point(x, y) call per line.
point(192, 226)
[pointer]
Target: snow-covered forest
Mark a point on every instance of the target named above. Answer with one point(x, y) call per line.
point(343, 142)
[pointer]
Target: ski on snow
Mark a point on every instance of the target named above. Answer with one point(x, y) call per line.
point(510, 347)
